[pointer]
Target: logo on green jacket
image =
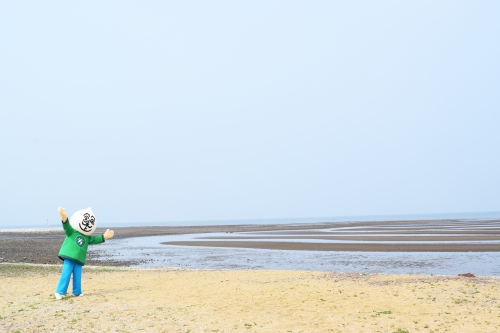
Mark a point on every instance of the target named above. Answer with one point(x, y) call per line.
point(80, 241)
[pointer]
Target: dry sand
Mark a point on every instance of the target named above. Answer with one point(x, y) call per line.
point(161, 300)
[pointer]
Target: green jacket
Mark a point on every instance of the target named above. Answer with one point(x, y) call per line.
point(75, 245)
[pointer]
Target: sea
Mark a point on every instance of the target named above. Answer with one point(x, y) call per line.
point(291, 220)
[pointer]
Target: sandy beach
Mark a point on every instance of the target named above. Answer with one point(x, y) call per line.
point(161, 300)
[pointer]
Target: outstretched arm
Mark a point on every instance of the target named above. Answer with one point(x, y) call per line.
point(101, 238)
point(62, 212)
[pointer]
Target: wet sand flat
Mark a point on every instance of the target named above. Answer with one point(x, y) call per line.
point(346, 247)
point(42, 246)
point(417, 236)
point(464, 236)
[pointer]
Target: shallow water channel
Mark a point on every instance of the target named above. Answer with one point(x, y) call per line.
point(149, 252)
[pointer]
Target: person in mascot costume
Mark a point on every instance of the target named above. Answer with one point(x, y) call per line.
point(73, 251)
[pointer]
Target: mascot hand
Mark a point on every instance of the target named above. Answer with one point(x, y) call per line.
point(62, 212)
point(109, 234)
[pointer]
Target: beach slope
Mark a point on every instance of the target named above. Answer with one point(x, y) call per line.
point(163, 300)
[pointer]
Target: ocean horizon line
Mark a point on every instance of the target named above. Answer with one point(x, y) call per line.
point(293, 220)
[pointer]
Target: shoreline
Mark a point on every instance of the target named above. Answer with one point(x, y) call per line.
point(27, 267)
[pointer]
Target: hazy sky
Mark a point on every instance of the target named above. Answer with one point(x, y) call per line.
point(199, 110)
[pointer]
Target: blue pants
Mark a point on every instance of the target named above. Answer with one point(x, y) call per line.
point(70, 267)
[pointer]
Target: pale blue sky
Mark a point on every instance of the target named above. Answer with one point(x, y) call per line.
point(200, 110)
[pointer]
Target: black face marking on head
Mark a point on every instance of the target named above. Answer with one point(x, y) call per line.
point(88, 222)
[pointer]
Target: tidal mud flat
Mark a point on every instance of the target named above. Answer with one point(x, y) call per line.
point(41, 246)
point(410, 247)
point(446, 247)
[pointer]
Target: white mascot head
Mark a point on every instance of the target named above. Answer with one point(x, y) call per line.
point(83, 221)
